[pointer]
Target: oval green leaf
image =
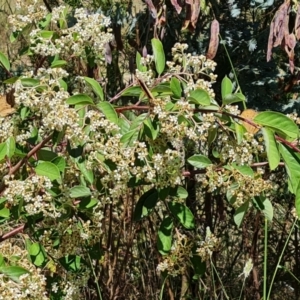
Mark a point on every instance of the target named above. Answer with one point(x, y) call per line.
point(271, 148)
point(109, 112)
point(279, 122)
point(199, 161)
point(164, 241)
point(4, 61)
point(13, 272)
point(48, 169)
point(58, 64)
point(10, 147)
point(226, 87)
point(159, 55)
point(183, 214)
point(96, 87)
point(200, 97)
point(79, 191)
point(176, 87)
point(79, 99)
point(232, 98)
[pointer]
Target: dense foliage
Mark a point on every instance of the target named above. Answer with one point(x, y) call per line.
point(131, 167)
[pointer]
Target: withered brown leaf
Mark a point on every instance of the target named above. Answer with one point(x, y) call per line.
point(5, 108)
point(214, 40)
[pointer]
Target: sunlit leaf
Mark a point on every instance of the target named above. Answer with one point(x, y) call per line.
point(48, 169)
point(226, 87)
point(96, 87)
point(13, 272)
point(183, 214)
point(109, 112)
point(240, 213)
point(175, 87)
point(79, 99)
point(271, 148)
point(164, 241)
point(199, 161)
point(200, 97)
point(278, 122)
point(4, 61)
point(79, 191)
point(159, 55)
point(10, 147)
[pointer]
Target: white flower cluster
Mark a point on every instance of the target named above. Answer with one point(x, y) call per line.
point(31, 285)
point(33, 192)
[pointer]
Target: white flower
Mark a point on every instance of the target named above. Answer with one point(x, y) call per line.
point(252, 44)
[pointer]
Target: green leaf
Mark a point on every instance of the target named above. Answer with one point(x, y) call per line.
point(133, 91)
point(45, 21)
point(109, 112)
point(37, 254)
point(11, 80)
point(240, 130)
point(3, 151)
point(48, 169)
point(10, 147)
point(226, 87)
point(232, 98)
point(96, 87)
point(14, 35)
point(58, 64)
point(2, 261)
point(199, 161)
point(139, 66)
point(63, 84)
point(88, 203)
point(60, 162)
point(79, 191)
point(271, 148)
point(88, 174)
point(230, 193)
point(29, 82)
point(124, 125)
point(4, 61)
point(4, 212)
point(79, 99)
point(129, 138)
point(13, 272)
point(159, 55)
point(279, 122)
point(71, 263)
point(151, 128)
point(137, 121)
point(176, 87)
point(240, 213)
point(244, 170)
point(292, 166)
point(183, 214)
point(46, 34)
point(164, 241)
point(268, 209)
point(145, 204)
point(162, 89)
point(200, 97)
point(182, 192)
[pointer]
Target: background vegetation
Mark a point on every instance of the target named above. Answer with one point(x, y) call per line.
point(149, 150)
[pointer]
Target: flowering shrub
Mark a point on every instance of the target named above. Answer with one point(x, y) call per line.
point(89, 179)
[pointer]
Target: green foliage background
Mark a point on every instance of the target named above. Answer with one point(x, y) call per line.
point(128, 168)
